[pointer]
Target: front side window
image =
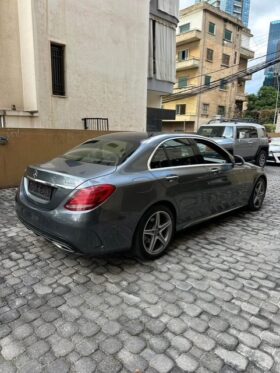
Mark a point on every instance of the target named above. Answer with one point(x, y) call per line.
point(228, 35)
point(181, 109)
point(209, 154)
point(58, 69)
point(173, 153)
point(212, 28)
point(184, 28)
point(104, 152)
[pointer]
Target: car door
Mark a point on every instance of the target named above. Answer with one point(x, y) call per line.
point(175, 165)
point(246, 142)
point(224, 182)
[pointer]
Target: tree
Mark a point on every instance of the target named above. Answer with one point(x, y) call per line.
point(261, 106)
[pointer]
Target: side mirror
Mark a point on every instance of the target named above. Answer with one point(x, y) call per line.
point(3, 140)
point(239, 160)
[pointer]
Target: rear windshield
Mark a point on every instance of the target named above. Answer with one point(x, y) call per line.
point(105, 152)
point(216, 131)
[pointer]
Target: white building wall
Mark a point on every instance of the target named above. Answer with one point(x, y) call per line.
point(195, 20)
point(106, 56)
point(106, 43)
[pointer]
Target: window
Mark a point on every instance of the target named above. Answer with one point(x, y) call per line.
point(228, 35)
point(184, 28)
point(221, 110)
point(160, 159)
point(210, 55)
point(182, 82)
point(212, 28)
point(179, 152)
point(103, 152)
point(181, 109)
point(216, 131)
point(205, 109)
point(174, 153)
point(210, 154)
point(207, 80)
point(225, 59)
point(58, 73)
point(247, 133)
point(183, 55)
point(223, 85)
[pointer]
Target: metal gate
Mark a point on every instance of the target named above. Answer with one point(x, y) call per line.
point(96, 124)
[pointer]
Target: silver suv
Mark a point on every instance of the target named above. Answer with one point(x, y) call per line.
point(249, 140)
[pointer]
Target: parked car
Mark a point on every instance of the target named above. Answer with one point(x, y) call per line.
point(248, 140)
point(274, 150)
point(134, 190)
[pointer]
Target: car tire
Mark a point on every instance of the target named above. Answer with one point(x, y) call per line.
point(261, 158)
point(258, 194)
point(154, 232)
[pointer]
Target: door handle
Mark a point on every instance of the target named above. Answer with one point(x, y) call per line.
point(171, 178)
point(250, 142)
point(215, 169)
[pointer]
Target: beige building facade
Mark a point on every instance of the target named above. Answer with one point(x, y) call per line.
point(211, 46)
point(64, 60)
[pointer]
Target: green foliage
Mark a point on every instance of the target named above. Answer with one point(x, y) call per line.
point(261, 106)
point(270, 128)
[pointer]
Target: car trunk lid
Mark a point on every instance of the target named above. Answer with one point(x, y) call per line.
point(47, 185)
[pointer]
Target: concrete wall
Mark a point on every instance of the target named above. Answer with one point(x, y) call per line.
point(10, 61)
point(32, 146)
point(106, 56)
point(106, 43)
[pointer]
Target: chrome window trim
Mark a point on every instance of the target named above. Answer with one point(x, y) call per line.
point(190, 165)
point(50, 184)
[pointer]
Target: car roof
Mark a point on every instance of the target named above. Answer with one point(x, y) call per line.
point(230, 124)
point(143, 136)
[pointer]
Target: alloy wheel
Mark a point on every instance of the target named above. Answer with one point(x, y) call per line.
point(259, 194)
point(157, 232)
point(262, 159)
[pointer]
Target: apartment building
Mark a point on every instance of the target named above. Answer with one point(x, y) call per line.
point(65, 60)
point(211, 45)
point(237, 8)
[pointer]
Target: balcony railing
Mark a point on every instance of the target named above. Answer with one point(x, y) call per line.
point(191, 63)
point(188, 37)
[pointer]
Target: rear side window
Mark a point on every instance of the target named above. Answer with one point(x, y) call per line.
point(174, 153)
point(247, 133)
point(104, 152)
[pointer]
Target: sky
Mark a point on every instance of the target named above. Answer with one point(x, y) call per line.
point(261, 14)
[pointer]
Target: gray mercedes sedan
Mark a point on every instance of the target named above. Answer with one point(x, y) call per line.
point(134, 191)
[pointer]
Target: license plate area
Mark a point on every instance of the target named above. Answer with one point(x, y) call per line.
point(40, 190)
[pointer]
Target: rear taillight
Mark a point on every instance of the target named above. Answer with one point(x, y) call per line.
point(89, 198)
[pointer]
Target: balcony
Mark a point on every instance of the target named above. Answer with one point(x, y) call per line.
point(240, 97)
point(192, 63)
point(246, 53)
point(188, 37)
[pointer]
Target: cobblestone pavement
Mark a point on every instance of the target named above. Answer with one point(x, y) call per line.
point(210, 305)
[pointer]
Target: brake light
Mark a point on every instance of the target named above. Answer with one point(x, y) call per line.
point(89, 198)
point(269, 139)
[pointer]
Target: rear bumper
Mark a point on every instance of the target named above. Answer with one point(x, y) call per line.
point(80, 233)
